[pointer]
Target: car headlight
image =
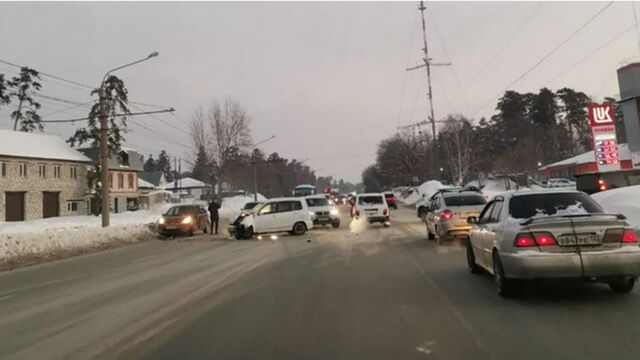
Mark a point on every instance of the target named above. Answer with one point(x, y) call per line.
point(311, 213)
point(161, 221)
point(187, 220)
point(334, 212)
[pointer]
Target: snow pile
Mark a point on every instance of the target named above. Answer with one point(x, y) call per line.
point(624, 201)
point(231, 206)
point(496, 187)
point(426, 190)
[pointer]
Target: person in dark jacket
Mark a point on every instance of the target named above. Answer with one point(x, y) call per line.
point(213, 212)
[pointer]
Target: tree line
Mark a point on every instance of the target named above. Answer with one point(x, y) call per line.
point(527, 130)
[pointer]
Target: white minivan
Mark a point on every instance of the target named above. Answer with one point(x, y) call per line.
point(275, 215)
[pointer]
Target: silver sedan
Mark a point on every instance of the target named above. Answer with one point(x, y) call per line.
point(552, 234)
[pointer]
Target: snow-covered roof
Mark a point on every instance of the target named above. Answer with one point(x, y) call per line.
point(145, 184)
point(589, 157)
point(186, 183)
point(37, 146)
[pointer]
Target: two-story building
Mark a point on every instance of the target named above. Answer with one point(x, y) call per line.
point(40, 176)
point(124, 168)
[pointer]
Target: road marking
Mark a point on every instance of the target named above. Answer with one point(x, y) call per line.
point(456, 314)
point(426, 347)
point(6, 297)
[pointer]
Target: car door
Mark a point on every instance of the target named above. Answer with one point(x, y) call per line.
point(492, 231)
point(265, 219)
point(479, 235)
point(431, 215)
point(285, 216)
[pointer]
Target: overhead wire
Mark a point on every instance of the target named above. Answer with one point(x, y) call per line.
point(404, 80)
point(546, 56)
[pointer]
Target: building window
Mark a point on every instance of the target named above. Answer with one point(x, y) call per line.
point(3, 169)
point(73, 172)
point(56, 171)
point(42, 170)
point(130, 181)
point(110, 181)
point(120, 181)
point(72, 206)
point(22, 169)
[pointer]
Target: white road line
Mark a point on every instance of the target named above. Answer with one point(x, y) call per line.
point(6, 297)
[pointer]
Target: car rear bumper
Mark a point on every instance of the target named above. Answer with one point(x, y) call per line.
point(531, 265)
point(377, 218)
point(452, 230)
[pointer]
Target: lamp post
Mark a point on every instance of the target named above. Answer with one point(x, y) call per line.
point(255, 168)
point(104, 134)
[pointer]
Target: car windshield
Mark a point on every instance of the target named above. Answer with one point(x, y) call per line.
point(317, 202)
point(250, 205)
point(179, 210)
point(537, 205)
point(370, 200)
point(464, 200)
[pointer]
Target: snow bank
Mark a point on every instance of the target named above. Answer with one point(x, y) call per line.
point(426, 190)
point(624, 201)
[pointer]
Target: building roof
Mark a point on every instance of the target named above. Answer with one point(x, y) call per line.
point(186, 183)
point(142, 184)
point(136, 162)
point(588, 157)
point(37, 146)
point(153, 177)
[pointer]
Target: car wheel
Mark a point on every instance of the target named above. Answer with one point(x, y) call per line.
point(622, 286)
point(471, 259)
point(335, 224)
point(299, 228)
point(430, 235)
point(504, 286)
point(423, 215)
point(248, 233)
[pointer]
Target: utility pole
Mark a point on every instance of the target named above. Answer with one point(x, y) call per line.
point(428, 64)
point(255, 167)
point(104, 138)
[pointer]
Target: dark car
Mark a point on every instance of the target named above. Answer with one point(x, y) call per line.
point(391, 200)
point(183, 220)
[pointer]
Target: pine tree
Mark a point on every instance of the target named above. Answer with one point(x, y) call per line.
point(202, 168)
point(4, 95)
point(26, 114)
point(150, 164)
point(164, 164)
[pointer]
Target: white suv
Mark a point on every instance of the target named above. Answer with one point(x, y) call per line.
point(275, 215)
point(322, 211)
point(373, 207)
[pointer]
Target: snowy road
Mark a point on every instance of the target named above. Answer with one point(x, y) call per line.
point(379, 294)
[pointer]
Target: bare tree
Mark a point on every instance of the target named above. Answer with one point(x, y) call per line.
point(224, 131)
point(456, 142)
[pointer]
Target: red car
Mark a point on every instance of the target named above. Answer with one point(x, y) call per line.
point(391, 200)
point(183, 219)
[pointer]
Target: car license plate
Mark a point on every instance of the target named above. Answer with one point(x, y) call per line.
point(171, 227)
point(579, 239)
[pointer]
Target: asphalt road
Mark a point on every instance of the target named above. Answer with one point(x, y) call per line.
point(379, 293)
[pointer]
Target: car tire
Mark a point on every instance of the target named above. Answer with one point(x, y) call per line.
point(430, 235)
point(471, 259)
point(622, 286)
point(504, 287)
point(299, 228)
point(423, 214)
point(248, 233)
point(335, 224)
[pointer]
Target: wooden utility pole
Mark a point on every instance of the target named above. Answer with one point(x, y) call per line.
point(428, 64)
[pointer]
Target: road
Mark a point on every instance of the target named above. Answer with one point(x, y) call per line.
point(383, 293)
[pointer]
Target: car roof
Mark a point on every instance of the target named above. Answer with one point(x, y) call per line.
point(370, 194)
point(459, 193)
point(285, 199)
point(542, 192)
point(316, 196)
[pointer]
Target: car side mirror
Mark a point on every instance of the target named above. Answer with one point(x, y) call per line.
point(472, 220)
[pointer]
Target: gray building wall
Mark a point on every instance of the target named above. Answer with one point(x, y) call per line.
point(629, 83)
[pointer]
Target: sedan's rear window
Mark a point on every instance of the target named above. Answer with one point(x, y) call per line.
point(527, 206)
point(370, 200)
point(464, 200)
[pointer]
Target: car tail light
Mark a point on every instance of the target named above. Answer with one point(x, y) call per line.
point(534, 239)
point(629, 236)
point(446, 214)
point(602, 185)
point(385, 211)
point(613, 236)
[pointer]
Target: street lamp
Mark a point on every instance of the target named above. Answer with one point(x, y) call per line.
point(104, 148)
point(255, 168)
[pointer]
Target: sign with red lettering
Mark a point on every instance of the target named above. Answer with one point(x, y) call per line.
point(603, 132)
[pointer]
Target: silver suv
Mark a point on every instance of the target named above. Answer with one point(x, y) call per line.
point(552, 234)
point(448, 211)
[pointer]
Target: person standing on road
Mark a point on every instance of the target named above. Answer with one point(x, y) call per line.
point(213, 212)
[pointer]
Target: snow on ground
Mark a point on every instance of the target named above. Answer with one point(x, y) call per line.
point(231, 206)
point(624, 201)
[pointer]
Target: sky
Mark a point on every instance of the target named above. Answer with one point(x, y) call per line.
point(327, 79)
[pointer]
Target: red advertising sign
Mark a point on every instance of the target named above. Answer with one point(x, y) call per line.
point(603, 131)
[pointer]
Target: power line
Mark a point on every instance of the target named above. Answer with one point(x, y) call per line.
point(69, 108)
point(404, 80)
point(163, 136)
point(86, 118)
point(163, 121)
point(537, 63)
point(635, 18)
point(572, 67)
point(50, 76)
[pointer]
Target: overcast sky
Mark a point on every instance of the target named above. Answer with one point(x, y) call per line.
point(326, 78)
